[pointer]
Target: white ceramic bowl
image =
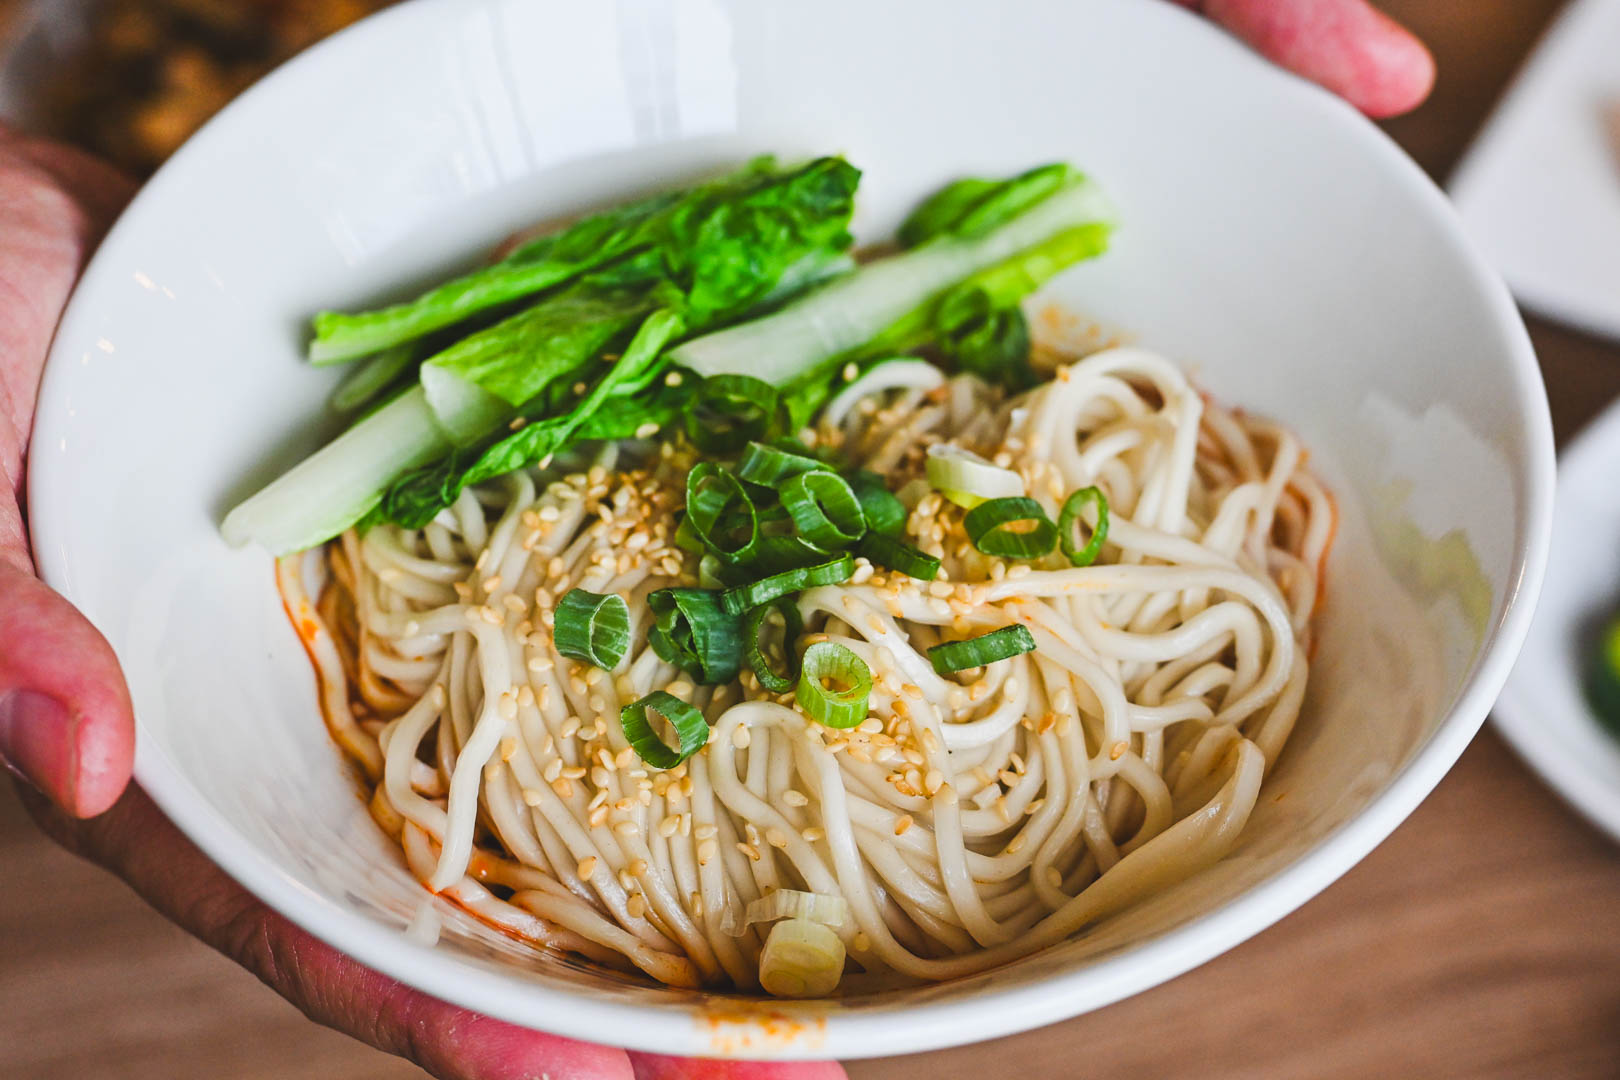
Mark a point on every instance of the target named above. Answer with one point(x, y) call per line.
point(1273, 241)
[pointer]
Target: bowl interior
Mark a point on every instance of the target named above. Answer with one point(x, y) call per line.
point(1272, 241)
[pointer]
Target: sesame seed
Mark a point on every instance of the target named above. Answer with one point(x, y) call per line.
point(861, 942)
point(1054, 877)
point(564, 788)
point(705, 832)
point(598, 816)
point(626, 882)
point(901, 824)
point(795, 798)
point(750, 851)
point(1117, 751)
point(668, 827)
point(626, 828)
point(587, 866)
point(813, 833)
point(1016, 844)
point(706, 851)
point(776, 837)
point(741, 738)
point(636, 906)
point(552, 770)
point(532, 797)
point(508, 748)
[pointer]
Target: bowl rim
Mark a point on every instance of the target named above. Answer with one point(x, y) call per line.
point(674, 1029)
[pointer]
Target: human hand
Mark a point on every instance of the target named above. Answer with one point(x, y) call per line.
point(1347, 46)
point(67, 728)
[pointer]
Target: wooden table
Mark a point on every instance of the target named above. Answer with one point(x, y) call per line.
point(1481, 940)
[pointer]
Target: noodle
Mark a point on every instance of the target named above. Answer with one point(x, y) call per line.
point(970, 819)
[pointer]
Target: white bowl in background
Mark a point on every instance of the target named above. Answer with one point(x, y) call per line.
point(1544, 711)
point(1272, 240)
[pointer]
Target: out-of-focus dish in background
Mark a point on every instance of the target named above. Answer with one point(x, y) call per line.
point(1547, 711)
point(1539, 191)
point(288, 203)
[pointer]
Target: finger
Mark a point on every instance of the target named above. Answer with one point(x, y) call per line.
point(138, 843)
point(659, 1067)
point(55, 203)
point(65, 719)
point(1348, 46)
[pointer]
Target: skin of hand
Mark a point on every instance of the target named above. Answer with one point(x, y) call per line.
point(66, 724)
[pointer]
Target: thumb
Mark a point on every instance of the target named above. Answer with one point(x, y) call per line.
point(65, 719)
point(1348, 46)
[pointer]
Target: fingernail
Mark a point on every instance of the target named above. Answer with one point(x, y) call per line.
point(37, 741)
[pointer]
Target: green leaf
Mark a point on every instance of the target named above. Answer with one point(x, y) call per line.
point(416, 497)
point(973, 207)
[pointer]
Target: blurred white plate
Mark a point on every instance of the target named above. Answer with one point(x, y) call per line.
point(1539, 191)
point(1543, 712)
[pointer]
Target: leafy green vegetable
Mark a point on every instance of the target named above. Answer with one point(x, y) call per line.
point(417, 496)
point(557, 258)
point(637, 279)
point(907, 301)
point(370, 379)
point(973, 207)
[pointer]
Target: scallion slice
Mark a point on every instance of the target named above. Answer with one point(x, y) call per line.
point(689, 725)
point(967, 479)
point(747, 597)
point(695, 633)
point(768, 466)
point(884, 511)
point(1072, 506)
point(593, 627)
point(828, 910)
point(824, 508)
point(1001, 644)
point(720, 513)
point(897, 555)
point(729, 410)
point(1013, 528)
point(801, 959)
point(777, 682)
point(834, 685)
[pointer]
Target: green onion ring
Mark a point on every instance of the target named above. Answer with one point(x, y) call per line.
point(592, 627)
point(987, 526)
point(897, 555)
point(745, 598)
point(729, 410)
point(712, 493)
point(845, 708)
point(688, 723)
point(695, 633)
point(1001, 644)
point(824, 508)
point(753, 645)
point(884, 511)
point(768, 466)
point(1072, 506)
